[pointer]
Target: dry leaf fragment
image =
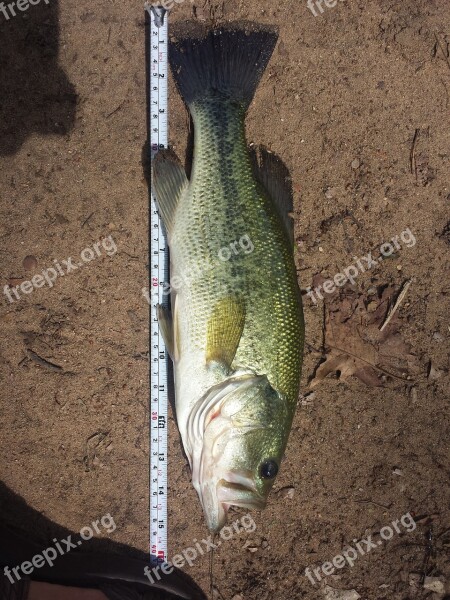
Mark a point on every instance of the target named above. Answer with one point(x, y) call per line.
point(355, 346)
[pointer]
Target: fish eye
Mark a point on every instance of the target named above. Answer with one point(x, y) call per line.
point(268, 469)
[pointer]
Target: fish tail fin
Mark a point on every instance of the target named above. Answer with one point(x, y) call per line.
point(227, 62)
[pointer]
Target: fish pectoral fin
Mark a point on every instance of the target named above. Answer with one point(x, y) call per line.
point(274, 176)
point(169, 181)
point(224, 331)
point(166, 327)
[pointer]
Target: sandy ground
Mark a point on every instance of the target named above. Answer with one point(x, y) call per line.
point(355, 101)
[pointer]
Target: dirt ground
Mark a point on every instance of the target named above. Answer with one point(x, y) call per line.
point(356, 102)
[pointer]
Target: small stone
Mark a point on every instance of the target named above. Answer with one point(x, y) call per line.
point(437, 337)
point(399, 267)
point(414, 579)
point(333, 594)
point(282, 49)
point(200, 14)
point(288, 492)
point(435, 584)
point(330, 193)
point(433, 373)
point(112, 226)
point(372, 306)
point(320, 249)
point(250, 546)
point(30, 263)
point(356, 163)
point(264, 544)
point(237, 597)
point(398, 472)
point(307, 400)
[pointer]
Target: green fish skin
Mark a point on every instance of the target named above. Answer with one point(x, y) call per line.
point(236, 330)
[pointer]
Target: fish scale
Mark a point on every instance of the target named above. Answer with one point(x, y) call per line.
point(223, 203)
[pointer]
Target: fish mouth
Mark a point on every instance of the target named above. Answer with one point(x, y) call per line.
point(234, 490)
point(238, 490)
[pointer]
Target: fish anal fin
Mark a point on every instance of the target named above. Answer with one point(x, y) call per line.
point(224, 331)
point(169, 181)
point(274, 176)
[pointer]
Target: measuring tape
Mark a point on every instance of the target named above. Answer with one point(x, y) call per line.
point(159, 268)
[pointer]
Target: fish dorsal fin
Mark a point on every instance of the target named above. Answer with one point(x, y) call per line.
point(169, 181)
point(273, 174)
point(224, 331)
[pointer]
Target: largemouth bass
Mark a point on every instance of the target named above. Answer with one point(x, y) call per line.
point(235, 332)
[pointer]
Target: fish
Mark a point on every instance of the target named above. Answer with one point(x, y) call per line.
point(235, 328)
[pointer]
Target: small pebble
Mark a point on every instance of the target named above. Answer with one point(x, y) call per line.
point(356, 163)
point(434, 584)
point(433, 373)
point(30, 263)
point(437, 337)
point(288, 492)
point(330, 193)
point(112, 226)
point(250, 546)
point(414, 579)
point(282, 49)
point(399, 267)
point(333, 594)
